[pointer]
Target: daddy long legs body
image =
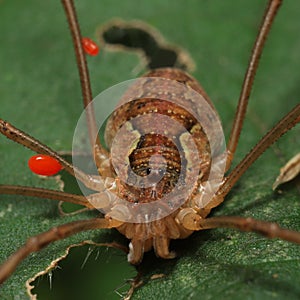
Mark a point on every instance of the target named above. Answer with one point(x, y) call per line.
point(161, 255)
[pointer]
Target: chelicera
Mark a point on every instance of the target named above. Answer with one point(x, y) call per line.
point(191, 215)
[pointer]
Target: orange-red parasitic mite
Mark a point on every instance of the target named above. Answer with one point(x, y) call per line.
point(90, 47)
point(44, 165)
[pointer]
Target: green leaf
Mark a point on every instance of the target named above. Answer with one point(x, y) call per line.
point(40, 94)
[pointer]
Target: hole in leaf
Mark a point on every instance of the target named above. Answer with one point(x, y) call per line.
point(88, 272)
point(146, 40)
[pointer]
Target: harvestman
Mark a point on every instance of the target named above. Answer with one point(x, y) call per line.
point(186, 219)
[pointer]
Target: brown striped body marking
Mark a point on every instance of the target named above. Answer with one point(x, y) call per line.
point(168, 158)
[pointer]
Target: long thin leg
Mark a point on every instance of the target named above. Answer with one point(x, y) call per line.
point(264, 30)
point(100, 153)
point(40, 241)
point(193, 221)
point(268, 229)
point(285, 124)
point(18, 136)
point(92, 201)
point(45, 194)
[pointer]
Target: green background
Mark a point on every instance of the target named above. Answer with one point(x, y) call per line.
point(40, 93)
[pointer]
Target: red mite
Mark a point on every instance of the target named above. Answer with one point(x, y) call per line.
point(44, 165)
point(89, 46)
